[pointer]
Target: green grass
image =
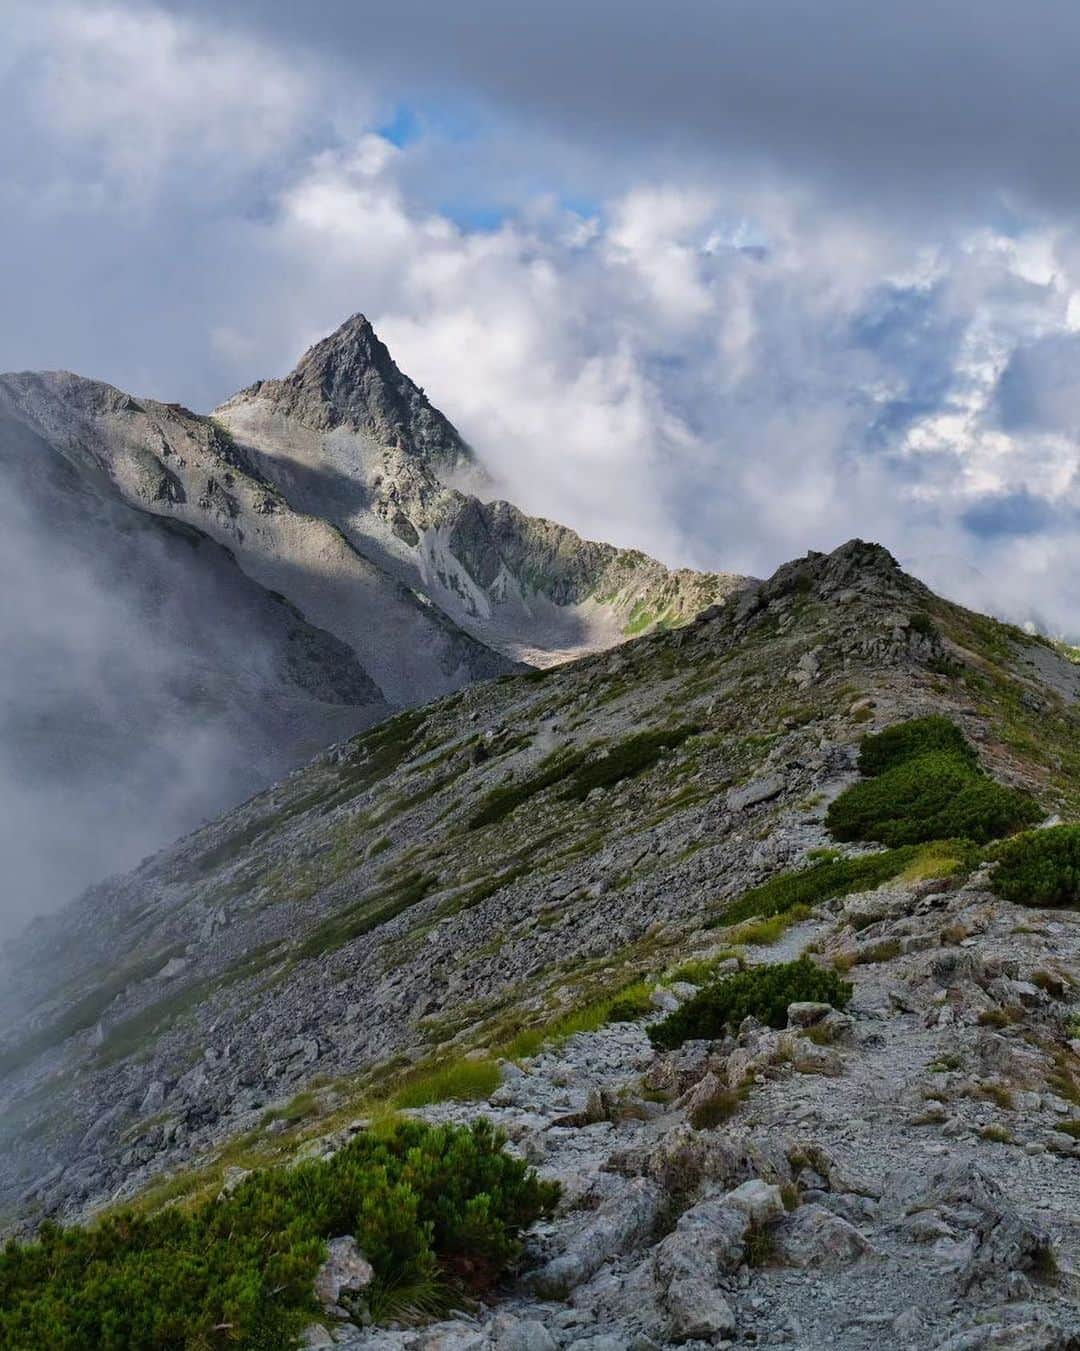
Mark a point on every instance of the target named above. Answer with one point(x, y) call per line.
point(581, 771)
point(763, 992)
point(700, 970)
point(763, 932)
point(457, 1081)
point(500, 802)
point(438, 1211)
point(834, 876)
point(588, 1017)
point(1041, 868)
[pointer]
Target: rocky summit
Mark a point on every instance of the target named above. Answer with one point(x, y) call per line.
point(259, 583)
point(756, 936)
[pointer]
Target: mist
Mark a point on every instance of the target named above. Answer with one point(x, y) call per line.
point(145, 684)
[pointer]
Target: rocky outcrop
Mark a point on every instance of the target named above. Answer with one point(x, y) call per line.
point(350, 380)
point(349, 439)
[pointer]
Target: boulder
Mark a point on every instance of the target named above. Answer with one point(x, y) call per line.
point(813, 1237)
point(708, 1241)
point(750, 794)
point(759, 1201)
point(345, 1274)
point(621, 1223)
point(520, 1334)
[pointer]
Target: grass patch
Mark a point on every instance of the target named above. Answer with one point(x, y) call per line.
point(588, 1017)
point(438, 1211)
point(500, 802)
point(762, 992)
point(700, 970)
point(296, 1109)
point(457, 1081)
point(762, 932)
point(718, 1108)
point(828, 878)
point(367, 914)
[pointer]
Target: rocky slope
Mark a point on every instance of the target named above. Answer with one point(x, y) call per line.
point(350, 439)
point(473, 880)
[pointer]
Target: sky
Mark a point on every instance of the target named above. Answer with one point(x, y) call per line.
point(726, 280)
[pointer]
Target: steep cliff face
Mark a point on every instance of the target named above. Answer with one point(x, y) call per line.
point(163, 459)
point(349, 439)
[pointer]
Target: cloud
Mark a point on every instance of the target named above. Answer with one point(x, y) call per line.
point(939, 98)
point(747, 288)
point(140, 93)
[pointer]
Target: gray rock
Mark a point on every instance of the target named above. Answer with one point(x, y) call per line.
point(759, 1201)
point(520, 1334)
point(623, 1222)
point(753, 793)
point(807, 1013)
point(345, 1274)
point(815, 1237)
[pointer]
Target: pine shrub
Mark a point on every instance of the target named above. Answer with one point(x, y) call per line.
point(433, 1209)
point(907, 740)
point(924, 783)
point(762, 992)
point(934, 796)
point(1041, 868)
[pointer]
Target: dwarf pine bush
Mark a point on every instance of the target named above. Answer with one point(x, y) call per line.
point(1041, 868)
point(433, 1209)
point(906, 740)
point(926, 785)
point(762, 992)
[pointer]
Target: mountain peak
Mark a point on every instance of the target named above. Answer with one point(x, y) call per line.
point(349, 379)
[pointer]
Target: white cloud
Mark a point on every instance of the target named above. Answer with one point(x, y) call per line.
point(143, 91)
point(725, 366)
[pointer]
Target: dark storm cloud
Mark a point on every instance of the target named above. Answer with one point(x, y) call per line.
point(1019, 513)
point(951, 96)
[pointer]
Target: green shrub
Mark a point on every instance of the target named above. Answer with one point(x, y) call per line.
point(822, 881)
point(433, 1208)
point(907, 740)
point(933, 796)
point(1041, 868)
point(629, 1008)
point(922, 623)
point(500, 802)
point(762, 992)
point(624, 760)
